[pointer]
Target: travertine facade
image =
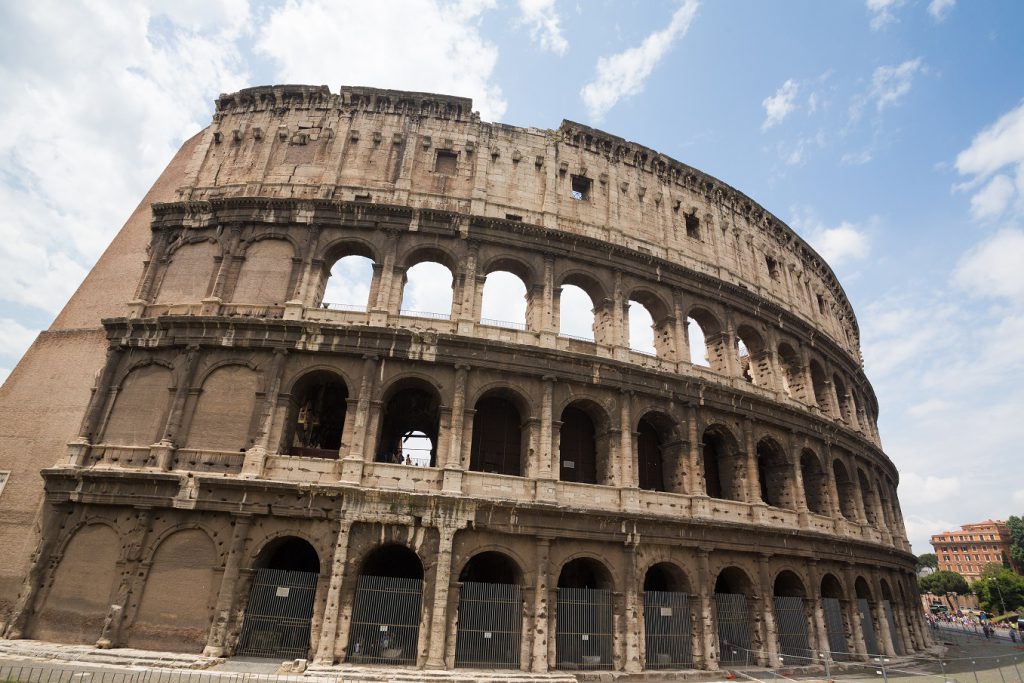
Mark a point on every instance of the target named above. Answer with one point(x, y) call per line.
point(236, 424)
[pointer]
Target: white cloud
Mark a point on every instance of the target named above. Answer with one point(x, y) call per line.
point(922, 489)
point(995, 267)
point(78, 152)
point(890, 83)
point(998, 149)
point(15, 338)
point(428, 289)
point(796, 154)
point(992, 200)
point(545, 25)
point(882, 12)
point(624, 74)
point(504, 298)
point(940, 9)
point(857, 158)
point(422, 45)
point(778, 106)
point(838, 245)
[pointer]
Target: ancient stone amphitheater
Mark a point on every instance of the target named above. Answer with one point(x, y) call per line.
point(242, 477)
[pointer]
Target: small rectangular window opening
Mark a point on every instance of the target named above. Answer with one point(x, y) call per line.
point(446, 162)
point(692, 226)
point(821, 304)
point(773, 267)
point(581, 188)
point(513, 217)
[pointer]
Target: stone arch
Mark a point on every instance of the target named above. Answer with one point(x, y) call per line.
point(724, 469)
point(789, 583)
point(819, 386)
point(140, 408)
point(845, 490)
point(177, 602)
point(600, 315)
point(79, 591)
point(791, 373)
point(500, 437)
point(417, 258)
point(839, 387)
point(733, 607)
point(583, 443)
point(491, 566)
point(660, 462)
point(289, 553)
point(585, 605)
point(774, 474)
point(411, 410)
point(500, 308)
point(266, 271)
point(832, 587)
point(707, 340)
point(664, 575)
point(434, 253)
point(223, 413)
point(867, 497)
point(331, 291)
point(862, 589)
point(752, 356)
point(662, 323)
point(815, 482)
point(511, 264)
point(189, 273)
point(315, 419)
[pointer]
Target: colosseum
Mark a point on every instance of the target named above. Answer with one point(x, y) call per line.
point(205, 453)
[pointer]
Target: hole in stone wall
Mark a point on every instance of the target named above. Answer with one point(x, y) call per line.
point(581, 186)
point(446, 162)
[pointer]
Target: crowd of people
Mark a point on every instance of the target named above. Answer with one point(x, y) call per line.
point(975, 622)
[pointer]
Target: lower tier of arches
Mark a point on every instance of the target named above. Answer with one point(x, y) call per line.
point(376, 579)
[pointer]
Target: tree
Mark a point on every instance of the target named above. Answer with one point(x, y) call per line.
point(998, 586)
point(927, 560)
point(943, 582)
point(1016, 525)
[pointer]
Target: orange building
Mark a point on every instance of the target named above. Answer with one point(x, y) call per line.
point(971, 549)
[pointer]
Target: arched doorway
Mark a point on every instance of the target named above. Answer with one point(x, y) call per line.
point(890, 617)
point(490, 613)
point(836, 623)
point(792, 618)
point(584, 632)
point(410, 425)
point(668, 633)
point(577, 447)
point(864, 603)
point(497, 437)
point(280, 607)
point(316, 416)
point(732, 615)
point(386, 610)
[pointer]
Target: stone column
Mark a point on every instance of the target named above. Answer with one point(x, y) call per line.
point(256, 456)
point(833, 489)
point(165, 448)
point(632, 621)
point(540, 606)
point(547, 455)
point(753, 481)
point(696, 486)
point(452, 460)
point(706, 636)
point(860, 646)
point(680, 329)
point(769, 636)
point(858, 492)
point(329, 628)
point(442, 581)
point(821, 632)
point(352, 464)
point(228, 584)
point(885, 635)
point(628, 466)
point(548, 322)
point(387, 274)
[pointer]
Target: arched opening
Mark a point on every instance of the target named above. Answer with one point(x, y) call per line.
point(427, 291)
point(790, 373)
point(497, 437)
point(845, 490)
point(280, 608)
point(707, 343)
point(890, 617)
point(842, 399)
point(265, 276)
point(584, 630)
point(347, 284)
point(668, 629)
point(820, 386)
point(490, 622)
point(575, 313)
point(650, 455)
point(698, 343)
point(792, 617)
point(774, 475)
point(733, 617)
point(641, 329)
point(410, 425)
point(577, 446)
point(723, 469)
point(815, 482)
point(837, 623)
point(386, 610)
point(751, 356)
point(867, 498)
point(505, 301)
point(316, 416)
point(868, 625)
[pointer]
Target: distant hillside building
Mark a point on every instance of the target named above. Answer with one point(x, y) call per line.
point(969, 550)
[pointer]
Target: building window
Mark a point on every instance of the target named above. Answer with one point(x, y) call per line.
point(446, 162)
point(821, 304)
point(4, 476)
point(581, 188)
point(692, 226)
point(773, 267)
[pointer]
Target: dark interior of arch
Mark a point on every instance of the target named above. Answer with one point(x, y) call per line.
point(392, 560)
point(289, 554)
point(772, 474)
point(732, 580)
point(665, 577)
point(845, 489)
point(831, 588)
point(577, 447)
point(490, 567)
point(497, 437)
point(789, 585)
point(861, 587)
point(814, 482)
point(650, 459)
point(413, 409)
point(319, 405)
point(713, 451)
point(584, 573)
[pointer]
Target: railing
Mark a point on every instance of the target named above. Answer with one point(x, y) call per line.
point(217, 462)
point(425, 314)
point(352, 308)
point(589, 340)
point(503, 323)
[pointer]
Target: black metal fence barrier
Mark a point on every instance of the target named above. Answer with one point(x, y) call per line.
point(490, 625)
point(584, 629)
point(385, 620)
point(278, 615)
point(732, 614)
point(667, 630)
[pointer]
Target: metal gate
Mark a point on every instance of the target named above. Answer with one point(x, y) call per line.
point(791, 627)
point(278, 614)
point(385, 620)
point(868, 627)
point(835, 629)
point(897, 642)
point(733, 616)
point(584, 630)
point(668, 638)
point(490, 625)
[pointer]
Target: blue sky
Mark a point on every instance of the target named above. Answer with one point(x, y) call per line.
point(888, 133)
